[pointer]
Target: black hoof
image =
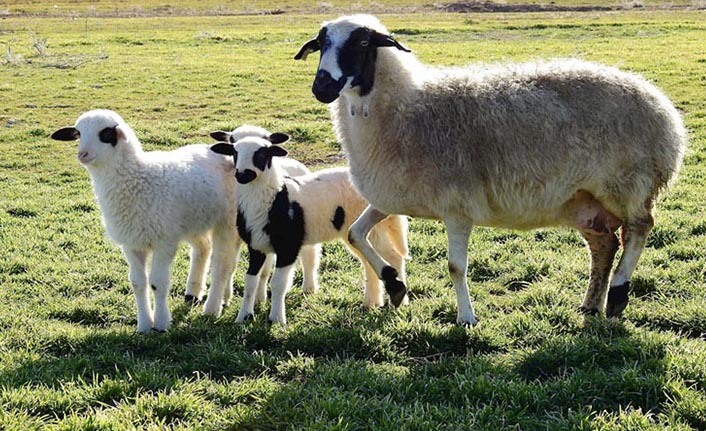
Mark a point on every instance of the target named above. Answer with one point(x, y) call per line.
point(159, 331)
point(617, 300)
point(394, 287)
point(191, 300)
point(249, 318)
point(588, 311)
point(224, 306)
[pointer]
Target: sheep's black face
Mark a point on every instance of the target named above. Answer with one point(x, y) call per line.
point(348, 54)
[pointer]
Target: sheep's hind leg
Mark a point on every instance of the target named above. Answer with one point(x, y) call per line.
point(247, 308)
point(602, 247)
point(358, 238)
point(261, 292)
point(458, 233)
point(226, 246)
point(634, 237)
point(199, 257)
point(137, 261)
point(310, 256)
point(160, 278)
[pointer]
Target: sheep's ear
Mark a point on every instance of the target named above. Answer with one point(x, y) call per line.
point(221, 136)
point(383, 40)
point(278, 138)
point(66, 134)
point(275, 151)
point(223, 148)
point(311, 46)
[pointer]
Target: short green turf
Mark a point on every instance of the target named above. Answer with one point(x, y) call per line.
point(69, 355)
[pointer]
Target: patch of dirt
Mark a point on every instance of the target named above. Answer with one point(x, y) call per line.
point(489, 6)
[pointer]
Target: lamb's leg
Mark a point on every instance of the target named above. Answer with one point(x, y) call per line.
point(261, 292)
point(634, 237)
point(137, 261)
point(247, 309)
point(458, 233)
point(281, 283)
point(602, 247)
point(226, 245)
point(160, 278)
point(196, 282)
point(373, 295)
point(310, 255)
point(358, 238)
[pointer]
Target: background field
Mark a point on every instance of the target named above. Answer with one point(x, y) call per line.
point(69, 358)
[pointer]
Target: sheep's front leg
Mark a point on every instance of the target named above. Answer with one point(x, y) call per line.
point(256, 262)
point(137, 261)
point(458, 233)
point(358, 238)
point(160, 278)
point(281, 283)
point(195, 283)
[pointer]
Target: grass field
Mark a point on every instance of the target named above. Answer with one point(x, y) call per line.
point(69, 355)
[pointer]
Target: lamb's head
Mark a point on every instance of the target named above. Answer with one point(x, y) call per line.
point(247, 130)
point(348, 48)
point(102, 135)
point(252, 155)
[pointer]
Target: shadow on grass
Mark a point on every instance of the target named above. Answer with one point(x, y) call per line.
point(366, 370)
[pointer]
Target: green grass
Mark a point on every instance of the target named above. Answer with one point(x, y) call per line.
point(69, 357)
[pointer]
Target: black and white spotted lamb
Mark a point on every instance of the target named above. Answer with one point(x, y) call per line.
point(520, 146)
point(281, 214)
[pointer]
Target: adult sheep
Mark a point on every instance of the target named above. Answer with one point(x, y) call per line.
point(519, 146)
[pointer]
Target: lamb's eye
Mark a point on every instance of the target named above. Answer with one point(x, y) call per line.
point(108, 136)
point(364, 43)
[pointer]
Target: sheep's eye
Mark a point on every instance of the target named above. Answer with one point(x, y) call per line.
point(261, 159)
point(364, 43)
point(108, 136)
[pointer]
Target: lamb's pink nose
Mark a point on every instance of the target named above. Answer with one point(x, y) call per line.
point(84, 157)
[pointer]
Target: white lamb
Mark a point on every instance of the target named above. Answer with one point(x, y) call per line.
point(280, 214)
point(152, 200)
point(520, 146)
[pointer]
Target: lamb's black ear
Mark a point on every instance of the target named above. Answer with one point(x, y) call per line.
point(223, 148)
point(278, 138)
point(311, 46)
point(382, 40)
point(66, 134)
point(220, 136)
point(275, 151)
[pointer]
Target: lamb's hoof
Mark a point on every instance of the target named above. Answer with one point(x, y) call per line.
point(159, 331)
point(588, 311)
point(394, 287)
point(249, 318)
point(191, 300)
point(470, 324)
point(617, 300)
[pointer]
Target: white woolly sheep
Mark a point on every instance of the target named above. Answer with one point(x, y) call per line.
point(279, 214)
point(520, 146)
point(152, 200)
